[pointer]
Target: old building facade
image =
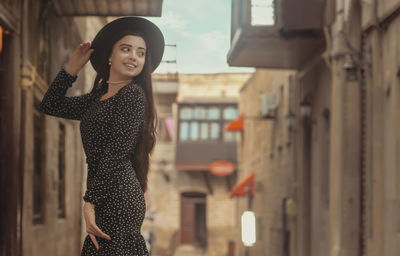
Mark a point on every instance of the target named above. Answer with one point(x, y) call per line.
point(327, 175)
point(43, 168)
point(187, 202)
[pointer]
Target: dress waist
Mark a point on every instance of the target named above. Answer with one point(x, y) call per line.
point(93, 162)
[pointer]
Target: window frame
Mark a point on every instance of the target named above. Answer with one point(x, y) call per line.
point(61, 170)
point(38, 176)
point(221, 122)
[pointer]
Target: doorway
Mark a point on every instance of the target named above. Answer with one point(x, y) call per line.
point(193, 219)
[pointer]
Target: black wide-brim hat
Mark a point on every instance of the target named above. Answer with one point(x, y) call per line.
point(116, 29)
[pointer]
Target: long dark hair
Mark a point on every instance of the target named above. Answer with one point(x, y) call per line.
point(147, 139)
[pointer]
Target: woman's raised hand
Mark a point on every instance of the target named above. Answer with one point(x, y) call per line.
point(91, 228)
point(79, 58)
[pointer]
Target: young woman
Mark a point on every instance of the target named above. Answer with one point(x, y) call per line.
point(117, 124)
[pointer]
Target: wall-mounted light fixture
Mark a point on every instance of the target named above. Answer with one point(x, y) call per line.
point(290, 116)
point(351, 69)
point(305, 107)
point(245, 187)
point(248, 228)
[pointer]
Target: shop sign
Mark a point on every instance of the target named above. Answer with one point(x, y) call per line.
point(222, 168)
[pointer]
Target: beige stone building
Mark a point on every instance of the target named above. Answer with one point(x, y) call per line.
point(41, 157)
point(187, 203)
point(321, 126)
point(265, 151)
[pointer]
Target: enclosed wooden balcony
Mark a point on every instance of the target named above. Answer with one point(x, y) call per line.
point(201, 135)
point(276, 34)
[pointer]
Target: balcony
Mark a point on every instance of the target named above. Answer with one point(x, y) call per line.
point(197, 156)
point(201, 135)
point(287, 34)
point(108, 7)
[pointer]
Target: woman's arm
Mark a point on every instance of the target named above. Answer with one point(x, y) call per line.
point(55, 103)
point(123, 136)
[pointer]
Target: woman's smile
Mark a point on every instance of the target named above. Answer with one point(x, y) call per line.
point(130, 66)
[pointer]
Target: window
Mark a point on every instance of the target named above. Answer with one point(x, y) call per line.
point(61, 171)
point(262, 12)
point(327, 180)
point(214, 130)
point(206, 122)
point(229, 114)
point(38, 173)
point(213, 113)
point(204, 131)
point(186, 113)
point(184, 131)
point(200, 113)
point(194, 130)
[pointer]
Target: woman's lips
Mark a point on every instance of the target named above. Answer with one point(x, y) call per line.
point(130, 66)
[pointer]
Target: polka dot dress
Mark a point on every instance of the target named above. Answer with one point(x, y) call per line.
point(109, 129)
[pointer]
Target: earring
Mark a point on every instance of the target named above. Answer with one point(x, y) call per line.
point(109, 63)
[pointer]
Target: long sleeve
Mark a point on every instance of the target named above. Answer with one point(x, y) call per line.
point(55, 103)
point(125, 130)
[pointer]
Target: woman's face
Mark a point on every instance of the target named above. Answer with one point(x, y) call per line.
point(127, 57)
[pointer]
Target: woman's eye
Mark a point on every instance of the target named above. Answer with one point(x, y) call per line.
point(141, 54)
point(125, 49)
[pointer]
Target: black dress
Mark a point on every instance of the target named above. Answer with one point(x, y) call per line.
point(110, 130)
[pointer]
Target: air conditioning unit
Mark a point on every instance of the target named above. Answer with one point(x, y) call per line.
point(269, 105)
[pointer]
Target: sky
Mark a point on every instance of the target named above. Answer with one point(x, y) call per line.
point(201, 31)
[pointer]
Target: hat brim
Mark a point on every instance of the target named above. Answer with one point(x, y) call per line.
point(105, 39)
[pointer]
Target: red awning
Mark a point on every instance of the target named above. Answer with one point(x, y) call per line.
point(237, 124)
point(240, 188)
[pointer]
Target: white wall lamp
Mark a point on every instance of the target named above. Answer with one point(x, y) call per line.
point(248, 223)
point(248, 228)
